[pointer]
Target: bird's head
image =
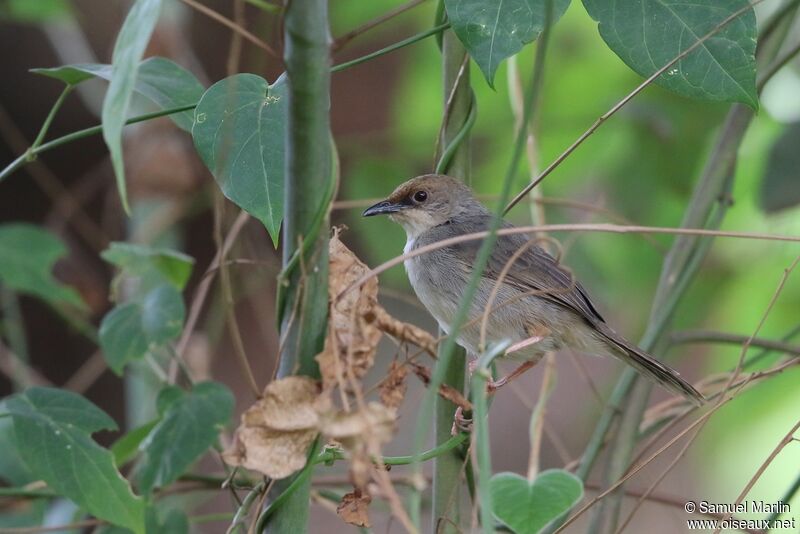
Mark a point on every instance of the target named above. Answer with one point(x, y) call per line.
point(427, 201)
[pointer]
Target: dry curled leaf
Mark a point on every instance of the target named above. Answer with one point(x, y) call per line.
point(361, 433)
point(375, 421)
point(393, 387)
point(352, 334)
point(276, 432)
point(275, 453)
point(354, 508)
point(288, 404)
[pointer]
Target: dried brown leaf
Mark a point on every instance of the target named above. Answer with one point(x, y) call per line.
point(354, 508)
point(375, 421)
point(275, 453)
point(287, 404)
point(275, 433)
point(393, 387)
point(352, 335)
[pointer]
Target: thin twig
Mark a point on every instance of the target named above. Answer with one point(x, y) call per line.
point(709, 336)
point(610, 228)
point(605, 116)
point(232, 26)
point(201, 293)
point(342, 41)
point(788, 438)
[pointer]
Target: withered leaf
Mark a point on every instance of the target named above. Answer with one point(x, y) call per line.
point(287, 404)
point(393, 387)
point(275, 453)
point(275, 433)
point(375, 421)
point(354, 508)
point(352, 335)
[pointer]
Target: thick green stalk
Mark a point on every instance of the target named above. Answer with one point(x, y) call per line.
point(448, 467)
point(304, 311)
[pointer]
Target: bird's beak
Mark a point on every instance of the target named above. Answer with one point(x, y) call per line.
point(383, 207)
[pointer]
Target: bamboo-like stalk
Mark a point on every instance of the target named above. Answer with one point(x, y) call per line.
point(308, 189)
point(447, 467)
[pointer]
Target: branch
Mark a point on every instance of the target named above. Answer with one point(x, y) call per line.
point(709, 336)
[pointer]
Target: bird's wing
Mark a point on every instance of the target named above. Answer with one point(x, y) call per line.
point(534, 269)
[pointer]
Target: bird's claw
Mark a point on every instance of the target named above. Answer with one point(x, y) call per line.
point(461, 422)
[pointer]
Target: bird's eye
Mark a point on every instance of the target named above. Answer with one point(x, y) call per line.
point(420, 196)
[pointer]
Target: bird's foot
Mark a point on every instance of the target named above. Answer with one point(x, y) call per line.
point(461, 422)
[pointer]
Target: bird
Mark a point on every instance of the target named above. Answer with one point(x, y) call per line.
point(534, 302)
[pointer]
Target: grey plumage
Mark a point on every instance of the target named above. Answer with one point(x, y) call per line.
point(537, 295)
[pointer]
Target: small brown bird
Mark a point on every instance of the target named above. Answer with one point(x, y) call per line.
point(537, 305)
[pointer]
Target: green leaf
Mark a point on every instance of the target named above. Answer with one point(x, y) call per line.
point(132, 329)
point(527, 507)
point(239, 132)
point(126, 447)
point(12, 469)
point(648, 34)
point(161, 80)
point(163, 313)
point(189, 426)
point(139, 260)
point(52, 429)
point(27, 256)
point(780, 187)
point(491, 31)
point(128, 51)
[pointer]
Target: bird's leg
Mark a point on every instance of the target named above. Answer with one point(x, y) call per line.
point(537, 334)
point(494, 385)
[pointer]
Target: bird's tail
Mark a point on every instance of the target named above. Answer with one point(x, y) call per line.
point(650, 367)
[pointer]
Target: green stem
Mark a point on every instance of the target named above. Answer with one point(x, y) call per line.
point(286, 501)
point(447, 348)
point(310, 169)
point(457, 122)
point(392, 47)
point(80, 134)
point(244, 509)
point(331, 455)
point(50, 116)
point(37, 149)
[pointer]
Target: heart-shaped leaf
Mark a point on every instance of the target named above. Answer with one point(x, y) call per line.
point(648, 34)
point(527, 507)
point(52, 428)
point(780, 187)
point(189, 426)
point(240, 132)
point(164, 82)
point(493, 31)
point(27, 256)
